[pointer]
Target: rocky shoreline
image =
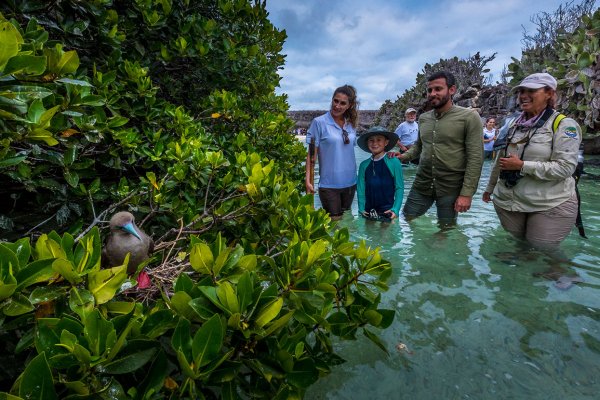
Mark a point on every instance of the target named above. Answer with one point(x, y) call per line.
point(486, 103)
point(303, 118)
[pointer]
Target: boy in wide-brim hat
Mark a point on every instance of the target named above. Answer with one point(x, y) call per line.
point(380, 187)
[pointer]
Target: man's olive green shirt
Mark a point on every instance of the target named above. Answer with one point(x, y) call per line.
point(451, 149)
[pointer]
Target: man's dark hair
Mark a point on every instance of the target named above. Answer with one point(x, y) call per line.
point(450, 79)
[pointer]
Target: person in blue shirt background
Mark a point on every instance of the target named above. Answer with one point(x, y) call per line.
point(380, 179)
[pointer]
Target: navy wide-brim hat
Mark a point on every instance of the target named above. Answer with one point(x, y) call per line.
point(377, 130)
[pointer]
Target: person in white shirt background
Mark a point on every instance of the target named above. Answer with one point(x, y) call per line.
point(489, 136)
point(408, 131)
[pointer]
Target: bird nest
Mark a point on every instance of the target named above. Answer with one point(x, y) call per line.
point(163, 275)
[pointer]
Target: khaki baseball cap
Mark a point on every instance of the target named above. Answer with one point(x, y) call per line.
point(537, 81)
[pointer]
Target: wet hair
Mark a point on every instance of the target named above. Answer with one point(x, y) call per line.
point(450, 79)
point(351, 114)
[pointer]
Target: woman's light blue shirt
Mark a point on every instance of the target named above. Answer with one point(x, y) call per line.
point(337, 165)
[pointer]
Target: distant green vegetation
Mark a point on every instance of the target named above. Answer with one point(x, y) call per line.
point(573, 57)
point(167, 109)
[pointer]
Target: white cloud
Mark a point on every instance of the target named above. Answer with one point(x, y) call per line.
point(379, 46)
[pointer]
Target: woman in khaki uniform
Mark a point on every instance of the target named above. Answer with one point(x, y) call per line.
point(531, 184)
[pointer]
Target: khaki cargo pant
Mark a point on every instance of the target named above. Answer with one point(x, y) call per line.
point(544, 229)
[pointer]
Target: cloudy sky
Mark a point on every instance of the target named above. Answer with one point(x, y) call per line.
point(379, 46)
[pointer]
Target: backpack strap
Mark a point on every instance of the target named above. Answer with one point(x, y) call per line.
point(576, 175)
point(556, 122)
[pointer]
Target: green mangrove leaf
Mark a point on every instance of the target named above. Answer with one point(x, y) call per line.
point(221, 260)
point(41, 249)
point(67, 339)
point(8, 285)
point(180, 303)
point(120, 307)
point(71, 177)
point(42, 135)
point(299, 350)
point(207, 342)
point(22, 250)
point(89, 251)
point(201, 258)
point(104, 283)
point(10, 162)
point(81, 302)
point(186, 367)
point(67, 270)
point(11, 41)
point(37, 271)
point(76, 82)
point(6, 396)
point(375, 339)
point(305, 373)
point(269, 312)
point(37, 382)
point(315, 251)
point(278, 324)
point(155, 376)
point(78, 387)
point(248, 262)
point(17, 305)
point(130, 362)
point(158, 323)
point(54, 246)
point(183, 283)
point(99, 333)
point(233, 259)
point(26, 64)
point(8, 260)
point(62, 62)
point(181, 340)
point(361, 251)
point(245, 291)
point(227, 297)
point(43, 294)
point(387, 317)
point(373, 317)
point(44, 119)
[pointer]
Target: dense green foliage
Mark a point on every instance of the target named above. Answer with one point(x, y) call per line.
point(574, 59)
point(114, 95)
point(167, 109)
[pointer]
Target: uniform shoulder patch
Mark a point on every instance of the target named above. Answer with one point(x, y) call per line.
point(571, 131)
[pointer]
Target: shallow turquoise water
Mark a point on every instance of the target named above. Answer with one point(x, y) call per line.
point(476, 322)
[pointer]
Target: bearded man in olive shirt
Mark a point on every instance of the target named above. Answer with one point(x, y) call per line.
point(450, 147)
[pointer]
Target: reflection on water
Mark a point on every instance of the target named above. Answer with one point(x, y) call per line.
point(477, 320)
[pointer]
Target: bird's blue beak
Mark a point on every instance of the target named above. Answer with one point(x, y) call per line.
point(130, 229)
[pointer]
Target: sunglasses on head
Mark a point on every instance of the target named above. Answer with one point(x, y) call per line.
point(345, 136)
